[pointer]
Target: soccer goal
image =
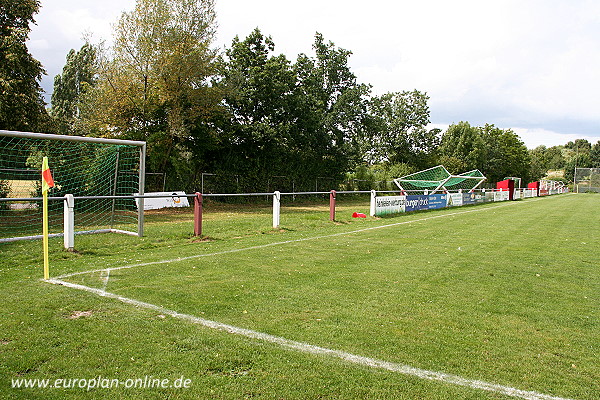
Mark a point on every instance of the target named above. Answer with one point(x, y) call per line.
point(84, 167)
point(587, 180)
point(439, 179)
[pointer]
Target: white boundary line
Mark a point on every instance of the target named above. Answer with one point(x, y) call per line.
point(105, 280)
point(289, 241)
point(312, 349)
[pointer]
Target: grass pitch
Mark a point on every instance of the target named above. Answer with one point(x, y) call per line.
point(505, 293)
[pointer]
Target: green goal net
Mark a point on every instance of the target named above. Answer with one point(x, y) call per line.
point(439, 179)
point(83, 167)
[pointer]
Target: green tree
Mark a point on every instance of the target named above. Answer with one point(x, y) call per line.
point(505, 154)
point(70, 88)
point(595, 155)
point(22, 106)
point(258, 134)
point(334, 107)
point(555, 158)
point(154, 85)
point(580, 160)
point(544, 159)
point(581, 145)
point(296, 120)
point(400, 133)
point(539, 163)
point(498, 153)
point(463, 146)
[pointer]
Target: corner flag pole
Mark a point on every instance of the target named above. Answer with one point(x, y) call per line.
point(47, 183)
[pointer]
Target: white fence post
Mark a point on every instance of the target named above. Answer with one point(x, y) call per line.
point(373, 199)
point(69, 222)
point(276, 208)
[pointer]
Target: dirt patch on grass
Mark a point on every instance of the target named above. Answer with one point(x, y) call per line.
point(80, 314)
point(203, 239)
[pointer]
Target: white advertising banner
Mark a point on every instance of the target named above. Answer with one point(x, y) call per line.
point(171, 199)
point(529, 192)
point(455, 199)
point(389, 205)
point(501, 195)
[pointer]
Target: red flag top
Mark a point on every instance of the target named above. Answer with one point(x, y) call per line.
point(47, 181)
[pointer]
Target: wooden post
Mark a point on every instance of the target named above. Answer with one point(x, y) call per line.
point(198, 214)
point(332, 205)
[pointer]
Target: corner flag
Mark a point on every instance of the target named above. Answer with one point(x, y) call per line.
point(47, 181)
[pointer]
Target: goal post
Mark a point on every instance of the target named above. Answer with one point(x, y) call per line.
point(586, 180)
point(84, 167)
point(438, 178)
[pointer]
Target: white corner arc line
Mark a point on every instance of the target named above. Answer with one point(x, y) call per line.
point(317, 350)
point(262, 246)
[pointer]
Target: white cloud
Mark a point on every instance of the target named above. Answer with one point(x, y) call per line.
point(536, 137)
point(38, 45)
point(75, 23)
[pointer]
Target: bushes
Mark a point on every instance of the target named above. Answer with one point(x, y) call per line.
point(4, 191)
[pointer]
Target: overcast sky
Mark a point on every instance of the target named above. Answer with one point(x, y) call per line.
point(529, 65)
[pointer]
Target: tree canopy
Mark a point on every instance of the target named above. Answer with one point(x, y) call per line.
point(22, 105)
point(497, 153)
point(71, 87)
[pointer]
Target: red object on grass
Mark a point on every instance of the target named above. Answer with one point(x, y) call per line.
point(358, 215)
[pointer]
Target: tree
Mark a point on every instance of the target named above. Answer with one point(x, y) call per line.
point(581, 145)
point(580, 160)
point(22, 106)
point(296, 120)
point(463, 146)
point(538, 165)
point(70, 88)
point(544, 159)
point(505, 154)
point(595, 155)
point(498, 153)
point(258, 134)
point(334, 106)
point(400, 134)
point(555, 158)
point(154, 86)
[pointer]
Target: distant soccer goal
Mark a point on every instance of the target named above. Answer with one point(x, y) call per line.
point(587, 180)
point(81, 166)
point(439, 179)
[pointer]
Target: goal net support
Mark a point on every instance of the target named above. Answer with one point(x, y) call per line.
point(439, 179)
point(587, 180)
point(84, 167)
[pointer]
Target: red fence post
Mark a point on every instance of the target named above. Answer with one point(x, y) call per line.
point(332, 205)
point(198, 214)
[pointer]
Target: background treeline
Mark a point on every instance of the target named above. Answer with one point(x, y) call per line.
point(253, 119)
